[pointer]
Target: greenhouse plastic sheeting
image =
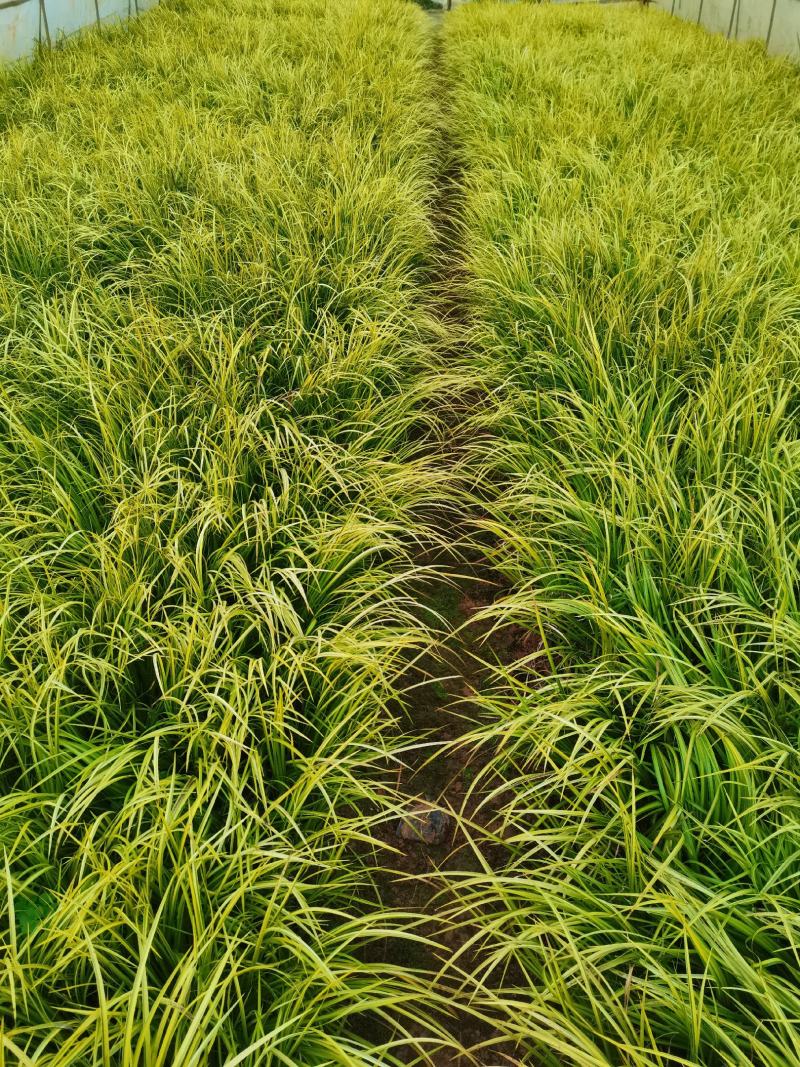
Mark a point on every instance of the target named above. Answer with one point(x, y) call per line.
point(776, 22)
point(25, 22)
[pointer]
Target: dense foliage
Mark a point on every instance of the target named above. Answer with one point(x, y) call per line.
point(225, 424)
point(632, 245)
point(214, 229)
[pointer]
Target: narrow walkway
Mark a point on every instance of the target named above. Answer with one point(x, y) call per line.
point(438, 779)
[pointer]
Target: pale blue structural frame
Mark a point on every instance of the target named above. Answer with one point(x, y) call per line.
point(24, 23)
point(776, 22)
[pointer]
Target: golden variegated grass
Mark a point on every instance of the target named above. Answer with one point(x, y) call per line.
point(216, 405)
point(213, 392)
point(632, 243)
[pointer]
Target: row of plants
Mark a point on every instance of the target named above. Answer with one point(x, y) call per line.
point(632, 272)
point(220, 402)
point(214, 389)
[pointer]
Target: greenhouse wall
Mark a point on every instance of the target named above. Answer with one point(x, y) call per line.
point(777, 22)
point(24, 23)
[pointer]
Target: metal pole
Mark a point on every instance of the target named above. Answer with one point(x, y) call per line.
point(700, 13)
point(733, 12)
point(771, 21)
point(43, 19)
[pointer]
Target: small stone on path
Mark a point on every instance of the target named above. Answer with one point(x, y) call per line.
point(425, 823)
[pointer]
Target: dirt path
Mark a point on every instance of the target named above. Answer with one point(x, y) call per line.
point(447, 827)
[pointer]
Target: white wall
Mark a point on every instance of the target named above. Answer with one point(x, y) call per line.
point(24, 22)
point(778, 20)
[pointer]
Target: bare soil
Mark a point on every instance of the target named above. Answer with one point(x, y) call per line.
point(443, 768)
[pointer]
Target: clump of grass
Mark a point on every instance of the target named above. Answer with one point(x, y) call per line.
point(633, 270)
point(211, 471)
